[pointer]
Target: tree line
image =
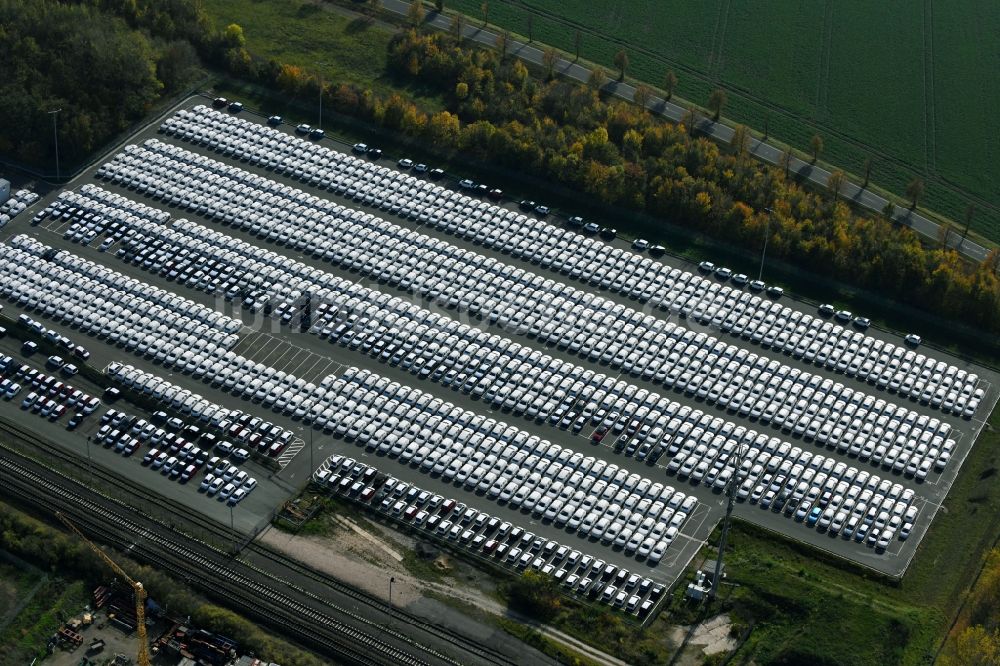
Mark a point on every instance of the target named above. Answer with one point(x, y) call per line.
point(102, 64)
point(494, 110)
point(624, 156)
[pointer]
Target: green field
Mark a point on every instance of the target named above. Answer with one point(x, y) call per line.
point(41, 605)
point(317, 38)
point(909, 84)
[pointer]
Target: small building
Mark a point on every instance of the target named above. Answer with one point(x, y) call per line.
point(709, 570)
point(4, 190)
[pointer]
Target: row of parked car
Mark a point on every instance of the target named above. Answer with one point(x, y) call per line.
point(243, 432)
point(76, 351)
point(15, 204)
point(642, 278)
point(556, 484)
point(737, 380)
point(487, 536)
point(48, 395)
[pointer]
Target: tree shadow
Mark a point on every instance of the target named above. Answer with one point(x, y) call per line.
point(307, 9)
point(360, 24)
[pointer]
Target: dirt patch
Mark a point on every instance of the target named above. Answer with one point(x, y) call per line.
point(368, 555)
point(703, 640)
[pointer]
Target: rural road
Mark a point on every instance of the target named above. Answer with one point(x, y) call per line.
point(718, 131)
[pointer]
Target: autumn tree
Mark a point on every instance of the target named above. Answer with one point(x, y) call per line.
point(598, 77)
point(233, 36)
point(669, 83)
point(549, 59)
point(785, 161)
point(415, 15)
point(944, 233)
point(716, 101)
point(816, 145)
point(642, 95)
point(974, 646)
point(457, 28)
point(835, 182)
point(740, 141)
point(970, 212)
point(889, 211)
point(621, 62)
point(503, 43)
point(690, 119)
point(915, 190)
point(536, 594)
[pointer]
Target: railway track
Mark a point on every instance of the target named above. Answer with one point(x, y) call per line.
point(245, 589)
point(296, 617)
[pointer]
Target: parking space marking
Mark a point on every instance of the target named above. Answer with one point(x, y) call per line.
point(297, 360)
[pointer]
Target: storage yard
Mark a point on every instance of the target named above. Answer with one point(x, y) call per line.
point(291, 311)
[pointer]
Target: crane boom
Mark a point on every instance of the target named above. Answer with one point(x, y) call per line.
point(142, 658)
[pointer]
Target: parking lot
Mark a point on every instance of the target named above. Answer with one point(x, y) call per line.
point(665, 373)
point(244, 516)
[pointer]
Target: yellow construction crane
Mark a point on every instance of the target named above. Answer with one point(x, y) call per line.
point(142, 659)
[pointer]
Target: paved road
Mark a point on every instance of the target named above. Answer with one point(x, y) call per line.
point(718, 131)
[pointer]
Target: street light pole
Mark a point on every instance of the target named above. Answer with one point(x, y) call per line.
point(319, 65)
point(312, 465)
point(767, 234)
point(232, 527)
point(55, 135)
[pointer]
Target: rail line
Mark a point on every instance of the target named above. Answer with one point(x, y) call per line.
point(486, 654)
point(304, 621)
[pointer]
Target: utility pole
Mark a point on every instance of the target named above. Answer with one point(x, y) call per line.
point(767, 234)
point(731, 488)
point(232, 527)
point(90, 462)
point(312, 465)
point(55, 135)
point(392, 579)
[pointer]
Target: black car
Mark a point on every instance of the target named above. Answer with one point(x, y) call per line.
point(482, 190)
point(316, 133)
point(656, 250)
point(608, 233)
point(495, 194)
point(436, 174)
point(422, 168)
point(274, 121)
point(575, 222)
point(527, 204)
point(220, 102)
point(235, 107)
point(374, 153)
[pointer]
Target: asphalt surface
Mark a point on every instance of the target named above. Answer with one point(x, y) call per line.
point(720, 132)
point(313, 358)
